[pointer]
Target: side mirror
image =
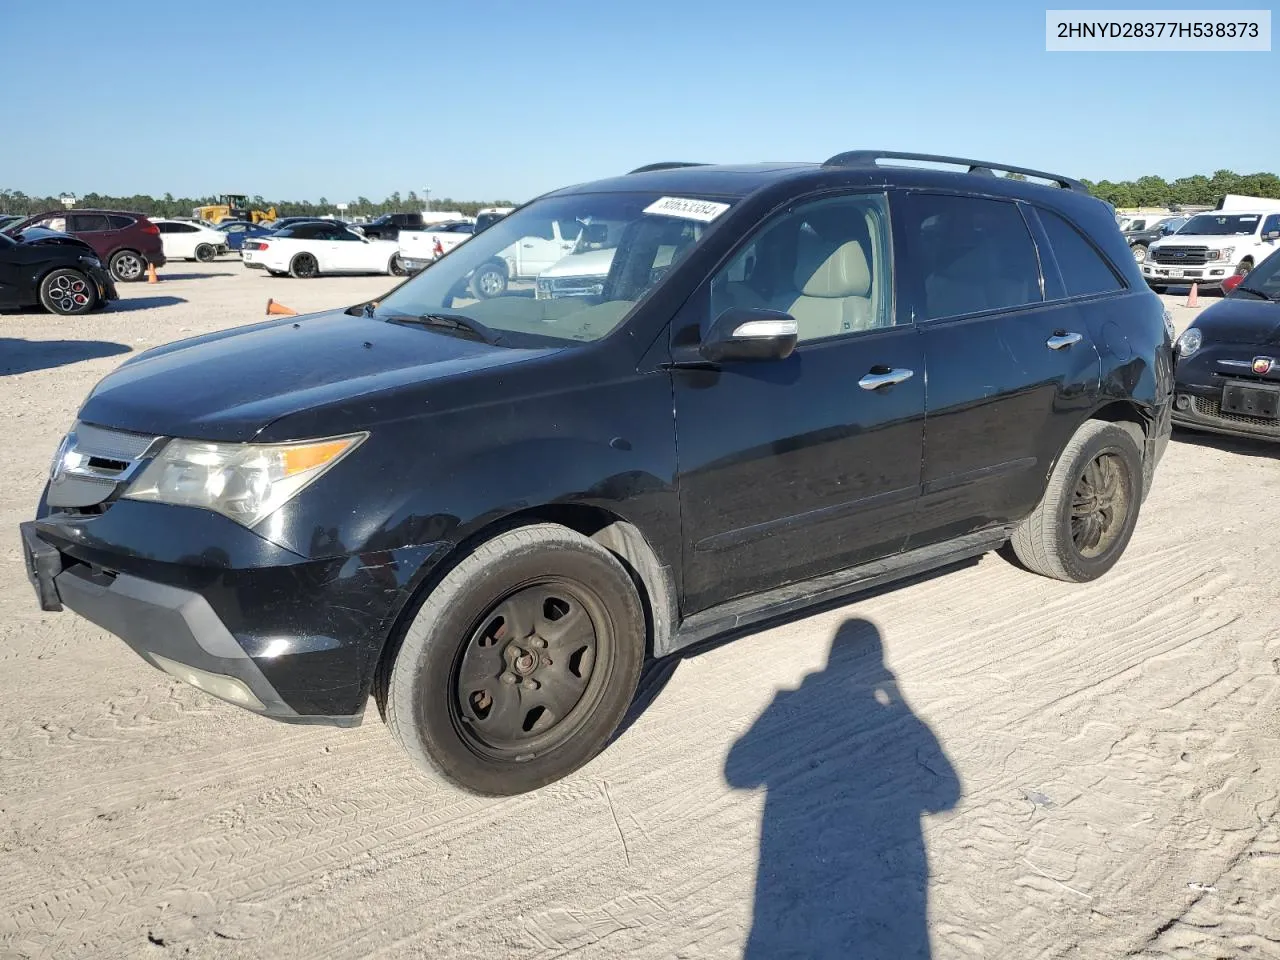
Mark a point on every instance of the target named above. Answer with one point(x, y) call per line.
point(742, 333)
point(1272, 235)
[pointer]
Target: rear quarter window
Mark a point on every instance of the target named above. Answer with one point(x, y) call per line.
point(1085, 272)
point(119, 221)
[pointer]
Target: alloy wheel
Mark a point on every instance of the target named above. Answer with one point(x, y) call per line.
point(1099, 506)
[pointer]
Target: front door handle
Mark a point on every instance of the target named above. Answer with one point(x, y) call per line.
point(1061, 340)
point(874, 381)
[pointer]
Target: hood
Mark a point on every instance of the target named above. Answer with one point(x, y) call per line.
point(593, 263)
point(1241, 319)
point(230, 385)
point(40, 237)
point(1214, 241)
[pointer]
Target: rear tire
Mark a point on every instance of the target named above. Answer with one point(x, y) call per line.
point(68, 293)
point(1081, 526)
point(396, 267)
point(488, 693)
point(304, 267)
point(205, 253)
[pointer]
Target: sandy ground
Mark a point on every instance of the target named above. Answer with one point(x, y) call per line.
point(1057, 771)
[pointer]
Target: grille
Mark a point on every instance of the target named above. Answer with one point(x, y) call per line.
point(1211, 408)
point(587, 285)
point(1194, 256)
point(108, 458)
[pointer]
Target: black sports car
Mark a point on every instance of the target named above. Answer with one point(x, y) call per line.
point(1227, 363)
point(54, 270)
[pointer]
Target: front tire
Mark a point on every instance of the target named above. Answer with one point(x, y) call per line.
point(1139, 253)
point(304, 267)
point(489, 281)
point(68, 293)
point(127, 266)
point(520, 664)
point(1083, 523)
point(205, 253)
point(1244, 268)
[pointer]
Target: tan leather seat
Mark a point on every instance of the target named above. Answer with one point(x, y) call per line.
point(834, 283)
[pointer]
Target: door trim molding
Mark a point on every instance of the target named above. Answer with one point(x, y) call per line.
point(982, 473)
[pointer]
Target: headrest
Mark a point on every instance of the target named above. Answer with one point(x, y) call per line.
point(833, 271)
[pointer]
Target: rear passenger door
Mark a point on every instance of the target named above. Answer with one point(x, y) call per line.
point(1012, 365)
point(94, 229)
point(794, 468)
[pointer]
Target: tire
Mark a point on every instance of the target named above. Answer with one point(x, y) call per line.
point(205, 253)
point(489, 281)
point(1050, 541)
point(127, 266)
point(467, 698)
point(1140, 252)
point(304, 267)
point(396, 267)
point(1245, 266)
point(68, 292)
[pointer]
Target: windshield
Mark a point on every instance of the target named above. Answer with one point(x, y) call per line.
point(1263, 279)
point(622, 244)
point(1220, 225)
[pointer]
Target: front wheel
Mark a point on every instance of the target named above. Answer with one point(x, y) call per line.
point(68, 293)
point(520, 664)
point(1139, 253)
point(489, 281)
point(205, 253)
point(1244, 268)
point(304, 267)
point(127, 266)
point(1083, 523)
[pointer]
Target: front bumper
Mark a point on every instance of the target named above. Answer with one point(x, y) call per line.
point(220, 608)
point(106, 286)
point(1199, 383)
point(1210, 274)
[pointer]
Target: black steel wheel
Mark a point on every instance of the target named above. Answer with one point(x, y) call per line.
point(205, 252)
point(396, 267)
point(127, 266)
point(1085, 519)
point(68, 292)
point(519, 664)
point(304, 267)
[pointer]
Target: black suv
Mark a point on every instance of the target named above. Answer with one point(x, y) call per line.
point(793, 382)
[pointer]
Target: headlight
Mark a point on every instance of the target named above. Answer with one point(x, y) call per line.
point(1189, 342)
point(1223, 254)
point(544, 285)
point(243, 481)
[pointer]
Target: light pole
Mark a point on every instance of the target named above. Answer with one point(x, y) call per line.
point(426, 192)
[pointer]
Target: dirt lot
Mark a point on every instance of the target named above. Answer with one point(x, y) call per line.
point(1063, 771)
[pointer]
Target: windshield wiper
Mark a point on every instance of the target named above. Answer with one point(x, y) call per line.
point(452, 321)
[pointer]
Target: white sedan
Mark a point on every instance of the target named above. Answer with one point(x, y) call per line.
point(187, 240)
point(307, 250)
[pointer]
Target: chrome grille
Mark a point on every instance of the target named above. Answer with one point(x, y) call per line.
point(94, 463)
point(1182, 256)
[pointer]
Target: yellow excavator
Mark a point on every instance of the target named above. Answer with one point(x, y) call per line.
point(232, 206)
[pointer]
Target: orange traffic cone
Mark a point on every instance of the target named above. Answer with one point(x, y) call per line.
point(1193, 298)
point(279, 310)
point(151, 273)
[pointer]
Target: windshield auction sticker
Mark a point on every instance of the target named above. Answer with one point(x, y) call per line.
point(1117, 31)
point(687, 209)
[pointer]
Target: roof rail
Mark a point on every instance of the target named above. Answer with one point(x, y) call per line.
point(665, 165)
point(861, 158)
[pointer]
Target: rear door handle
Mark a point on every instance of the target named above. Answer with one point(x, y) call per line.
point(874, 381)
point(1060, 341)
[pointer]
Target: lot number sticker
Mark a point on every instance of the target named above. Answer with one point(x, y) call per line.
point(687, 209)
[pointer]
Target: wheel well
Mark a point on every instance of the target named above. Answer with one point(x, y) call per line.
point(653, 581)
point(1123, 412)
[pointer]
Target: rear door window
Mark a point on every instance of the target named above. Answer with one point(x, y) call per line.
point(1084, 270)
point(970, 255)
point(89, 223)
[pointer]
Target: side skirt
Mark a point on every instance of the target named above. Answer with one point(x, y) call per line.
point(781, 601)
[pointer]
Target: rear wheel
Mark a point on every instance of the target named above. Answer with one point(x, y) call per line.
point(520, 664)
point(68, 292)
point(127, 266)
point(304, 267)
point(396, 267)
point(1083, 523)
point(205, 252)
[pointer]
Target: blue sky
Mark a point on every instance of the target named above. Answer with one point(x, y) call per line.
point(298, 100)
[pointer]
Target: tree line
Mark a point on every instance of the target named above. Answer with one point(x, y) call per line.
point(1149, 191)
point(15, 201)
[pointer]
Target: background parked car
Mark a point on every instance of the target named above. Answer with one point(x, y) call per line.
point(389, 225)
point(125, 242)
point(54, 270)
point(1153, 229)
point(307, 250)
point(186, 240)
point(237, 232)
point(419, 247)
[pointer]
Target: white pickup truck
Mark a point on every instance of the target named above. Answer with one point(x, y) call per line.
point(1215, 245)
point(526, 258)
point(419, 247)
